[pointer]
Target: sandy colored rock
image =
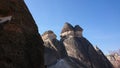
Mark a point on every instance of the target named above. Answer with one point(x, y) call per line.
point(51, 53)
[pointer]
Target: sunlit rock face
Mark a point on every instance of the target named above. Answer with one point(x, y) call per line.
point(51, 53)
point(21, 45)
point(48, 35)
point(55, 54)
point(80, 50)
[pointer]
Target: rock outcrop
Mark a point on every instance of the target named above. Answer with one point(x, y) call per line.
point(103, 57)
point(55, 54)
point(114, 59)
point(51, 53)
point(80, 50)
point(72, 51)
point(20, 43)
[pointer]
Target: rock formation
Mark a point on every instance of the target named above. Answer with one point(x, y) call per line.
point(55, 55)
point(72, 51)
point(20, 43)
point(51, 54)
point(80, 50)
point(114, 59)
point(103, 57)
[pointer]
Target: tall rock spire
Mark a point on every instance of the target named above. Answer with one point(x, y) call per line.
point(21, 45)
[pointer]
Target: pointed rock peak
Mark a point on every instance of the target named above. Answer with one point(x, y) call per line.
point(48, 35)
point(67, 27)
point(78, 28)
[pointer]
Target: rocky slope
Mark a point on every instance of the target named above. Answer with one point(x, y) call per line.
point(20, 43)
point(103, 57)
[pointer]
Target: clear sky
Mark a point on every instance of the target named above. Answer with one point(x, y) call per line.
point(100, 19)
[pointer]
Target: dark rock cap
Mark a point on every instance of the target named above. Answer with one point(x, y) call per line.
point(48, 32)
point(67, 27)
point(78, 28)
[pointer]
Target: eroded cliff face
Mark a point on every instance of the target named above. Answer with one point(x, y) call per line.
point(80, 50)
point(20, 43)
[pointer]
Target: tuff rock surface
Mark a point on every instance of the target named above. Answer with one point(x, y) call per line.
point(51, 53)
point(72, 51)
point(20, 43)
point(80, 50)
point(52, 56)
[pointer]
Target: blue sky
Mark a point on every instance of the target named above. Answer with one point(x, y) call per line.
point(100, 19)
